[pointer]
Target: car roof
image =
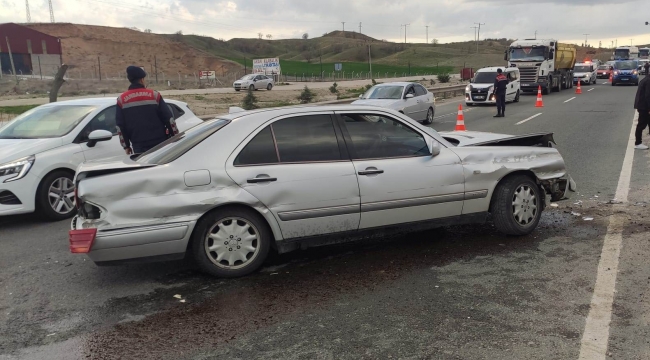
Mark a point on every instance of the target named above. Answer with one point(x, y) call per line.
point(99, 101)
point(301, 109)
point(495, 68)
point(400, 83)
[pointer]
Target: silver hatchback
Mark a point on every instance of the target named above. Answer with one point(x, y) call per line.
point(233, 188)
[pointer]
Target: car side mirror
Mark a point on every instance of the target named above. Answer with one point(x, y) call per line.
point(97, 136)
point(435, 148)
point(361, 96)
point(408, 96)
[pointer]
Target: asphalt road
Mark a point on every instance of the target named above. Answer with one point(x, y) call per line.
point(454, 293)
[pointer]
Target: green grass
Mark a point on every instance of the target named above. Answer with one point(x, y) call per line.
point(16, 110)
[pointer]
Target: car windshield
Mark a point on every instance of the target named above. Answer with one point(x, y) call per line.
point(644, 52)
point(484, 78)
point(582, 69)
point(625, 65)
point(603, 67)
point(248, 77)
point(528, 54)
point(384, 92)
point(173, 148)
point(46, 122)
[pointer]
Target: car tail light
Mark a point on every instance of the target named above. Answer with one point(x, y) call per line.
point(82, 240)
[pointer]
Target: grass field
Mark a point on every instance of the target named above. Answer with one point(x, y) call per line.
point(16, 110)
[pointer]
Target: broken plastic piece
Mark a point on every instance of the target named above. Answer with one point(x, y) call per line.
point(177, 296)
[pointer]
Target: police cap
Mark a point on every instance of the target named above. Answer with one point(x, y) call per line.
point(134, 73)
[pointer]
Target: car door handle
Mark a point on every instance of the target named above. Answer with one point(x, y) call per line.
point(371, 172)
point(261, 179)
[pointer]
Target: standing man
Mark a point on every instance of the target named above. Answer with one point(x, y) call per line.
point(143, 119)
point(500, 88)
point(642, 105)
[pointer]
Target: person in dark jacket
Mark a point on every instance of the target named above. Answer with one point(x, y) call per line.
point(642, 105)
point(500, 87)
point(143, 119)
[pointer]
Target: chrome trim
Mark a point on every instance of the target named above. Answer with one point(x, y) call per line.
point(478, 194)
point(320, 212)
point(139, 228)
point(402, 203)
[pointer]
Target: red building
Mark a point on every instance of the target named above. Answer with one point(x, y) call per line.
point(32, 52)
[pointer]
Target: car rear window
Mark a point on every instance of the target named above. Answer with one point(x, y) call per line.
point(176, 146)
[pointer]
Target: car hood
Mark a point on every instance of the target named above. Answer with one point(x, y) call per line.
point(477, 138)
point(376, 102)
point(12, 149)
point(581, 73)
point(480, 86)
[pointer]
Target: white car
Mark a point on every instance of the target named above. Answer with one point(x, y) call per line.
point(586, 73)
point(253, 82)
point(41, 149)
point(412, 100)
point(481, 89)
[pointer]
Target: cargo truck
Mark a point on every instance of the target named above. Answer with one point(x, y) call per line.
point(544, 63)
point(644, 53)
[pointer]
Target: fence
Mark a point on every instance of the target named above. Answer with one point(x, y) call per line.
point(343, 75)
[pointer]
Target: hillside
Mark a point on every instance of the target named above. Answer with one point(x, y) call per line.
point(119, 47)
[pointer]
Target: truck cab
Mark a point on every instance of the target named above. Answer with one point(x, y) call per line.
point(542, 63)
point(626, 53)
point(644, 53)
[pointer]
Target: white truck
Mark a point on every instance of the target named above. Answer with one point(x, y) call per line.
point(544, 63)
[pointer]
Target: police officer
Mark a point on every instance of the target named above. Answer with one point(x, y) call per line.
point(500, 86)
point(642, 105)
point(143, 119)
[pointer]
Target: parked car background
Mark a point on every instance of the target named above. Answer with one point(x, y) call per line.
point(412, 100)
point(41, 149)
point(253, 82)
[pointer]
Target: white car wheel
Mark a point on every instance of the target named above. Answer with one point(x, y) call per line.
point(55, 196)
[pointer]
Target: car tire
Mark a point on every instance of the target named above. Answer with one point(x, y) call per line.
point(269, 87)
point(251, 88)
point(516, 97)
point(511, 196)
point(236, 89)
point(60, 183)
point(429, 119)
point(234, 222)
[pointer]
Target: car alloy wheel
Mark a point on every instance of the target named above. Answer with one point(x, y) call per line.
point(61, 195)
point(524, 204)
point(232, 243)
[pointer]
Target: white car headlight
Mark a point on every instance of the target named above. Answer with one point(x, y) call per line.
point(19, 168)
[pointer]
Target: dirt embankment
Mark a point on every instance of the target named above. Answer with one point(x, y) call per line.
point(118, 48)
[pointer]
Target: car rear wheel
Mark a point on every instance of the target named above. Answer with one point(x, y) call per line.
point(55, 196)
point(231, 242)
point(269, 86)
point(429, 118)
point(517, 205)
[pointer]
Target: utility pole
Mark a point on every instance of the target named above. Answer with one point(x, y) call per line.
point(474, 27)
point(359, 28)
point(370, 61)
point(586, 37)
point(11, 58)
point(29, 16)
point(478, 35)
point(631, 42)
point(427, 26)
point(405, 25)
point(535, 34)
point(99, 64)
point(51, 11)
point(245, 68)
point(343, 22)
point(155, 62)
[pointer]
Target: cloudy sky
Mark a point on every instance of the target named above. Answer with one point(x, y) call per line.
point(448, 20)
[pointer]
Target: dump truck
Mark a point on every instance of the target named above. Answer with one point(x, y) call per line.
point(545, 63)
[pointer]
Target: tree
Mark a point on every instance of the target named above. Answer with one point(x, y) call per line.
point(305, 36)
point(434, 41)
point(306, 96)
point(260, 35)
point(269, 36)
point(179, 32)
point(250, 101)
point(148, 31)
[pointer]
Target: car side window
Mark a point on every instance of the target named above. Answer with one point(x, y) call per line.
point(377, 136)
point(105, 120)
point(410, 90)
point(260, 150)
point(176, 111)
point(420, 90)
point(306, 138)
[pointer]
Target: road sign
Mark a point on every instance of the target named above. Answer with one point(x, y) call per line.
point(207, 75)
point(270, 66)
point(338, 67)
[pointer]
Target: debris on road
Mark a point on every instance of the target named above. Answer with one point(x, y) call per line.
point(575, 213)
point(177, 296)
point(554, 205)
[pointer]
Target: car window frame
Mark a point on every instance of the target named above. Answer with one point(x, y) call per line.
point(422, 88)
point(348, 138)
point(343, 150)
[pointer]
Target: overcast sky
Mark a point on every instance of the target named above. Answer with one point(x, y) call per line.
point(448, 20)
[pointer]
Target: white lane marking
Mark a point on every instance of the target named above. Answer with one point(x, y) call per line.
point(591, 89)
point(604, 83)
point(569, 99)
point(595, 338)
point(450, 114)
point(530, 118)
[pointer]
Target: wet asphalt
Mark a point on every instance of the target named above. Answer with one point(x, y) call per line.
point(453, 293)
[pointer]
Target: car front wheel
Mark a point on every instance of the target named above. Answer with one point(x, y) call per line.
point(269, 86)
point(517, 205)
point(55, 196)
point(231, 242)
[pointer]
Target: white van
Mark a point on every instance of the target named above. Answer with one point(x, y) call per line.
point(481, 89)
point(585, 73)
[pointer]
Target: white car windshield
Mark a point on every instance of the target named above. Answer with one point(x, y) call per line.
point(46, 122)
point(384, 92)
point(528, 54)
point(484, 78)
point(582, 69)
point(625, 65)
point(248, 77)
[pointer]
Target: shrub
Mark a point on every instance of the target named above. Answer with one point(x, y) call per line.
point(306, 96)
point(374, 82)
point(334, 88)
point(432, 82)
point(250, 101)
point(444, 78)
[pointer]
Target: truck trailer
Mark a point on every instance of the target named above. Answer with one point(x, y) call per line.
point(542, 63)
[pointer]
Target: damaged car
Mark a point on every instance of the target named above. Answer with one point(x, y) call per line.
point(232, 189)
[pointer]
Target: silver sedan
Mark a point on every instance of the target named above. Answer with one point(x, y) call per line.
point(412, 100)
point(253, 82)
point(231, 189)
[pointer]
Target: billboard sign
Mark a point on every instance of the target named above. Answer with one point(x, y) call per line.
point(270, 66)
point(338, 67)
point(207, 75)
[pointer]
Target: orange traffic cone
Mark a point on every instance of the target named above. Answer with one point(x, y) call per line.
point(460, 119)
point(611, 76)
point(539, 102)
point(578, 89)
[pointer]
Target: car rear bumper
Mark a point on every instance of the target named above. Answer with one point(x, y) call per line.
point(135, 243)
